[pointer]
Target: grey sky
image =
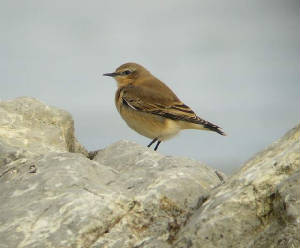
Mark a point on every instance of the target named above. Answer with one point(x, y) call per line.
point(235, 63)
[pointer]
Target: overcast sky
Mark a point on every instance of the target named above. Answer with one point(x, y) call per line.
point(235, 63)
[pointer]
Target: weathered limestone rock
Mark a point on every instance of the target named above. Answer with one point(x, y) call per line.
point(165, 192)
point(67, 200)
point(257, 207)
point(128, 196)
point(62, 202)
point(30, 125)
point(53, 195)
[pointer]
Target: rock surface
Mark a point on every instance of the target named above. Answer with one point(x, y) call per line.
point(32, 126)
point(53, 195)
point(257, 207)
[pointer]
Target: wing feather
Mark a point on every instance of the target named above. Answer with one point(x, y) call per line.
point(162, 102)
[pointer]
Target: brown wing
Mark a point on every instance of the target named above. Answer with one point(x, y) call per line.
point(160, 100)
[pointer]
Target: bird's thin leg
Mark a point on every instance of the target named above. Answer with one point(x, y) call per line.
point(157, 144)
point(153, 141)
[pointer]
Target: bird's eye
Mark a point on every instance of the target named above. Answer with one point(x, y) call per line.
point(127, 72)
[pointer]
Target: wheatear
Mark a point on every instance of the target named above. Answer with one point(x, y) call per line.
point(151, 108)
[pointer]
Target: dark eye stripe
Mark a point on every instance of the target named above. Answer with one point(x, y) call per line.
point(127, 72)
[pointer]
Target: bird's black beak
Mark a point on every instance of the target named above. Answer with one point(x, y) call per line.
point(113, 74)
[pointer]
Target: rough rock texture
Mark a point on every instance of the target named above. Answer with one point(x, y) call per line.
point(32, 126)
point(257, 207)
point(128, 195)
point(52, 195)
point(164, 191)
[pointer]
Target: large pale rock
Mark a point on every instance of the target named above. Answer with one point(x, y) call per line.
point(67, 200)
point(165, 191)
point(127, 196)
point(58, 200)
point(27, 124)
point(257, 207)
point(52, 195)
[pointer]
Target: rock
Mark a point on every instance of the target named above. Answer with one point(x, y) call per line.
point(50, 197)
point(27, 124)
point(283, 228)
point(64, 203)
point(53, 194)
point(140, 167)
point(9, 153)
point(257, 207)
point(67, 200)
point(165, 191)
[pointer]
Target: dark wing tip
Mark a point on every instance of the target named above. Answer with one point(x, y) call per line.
point(220, 131)
point(213, 127)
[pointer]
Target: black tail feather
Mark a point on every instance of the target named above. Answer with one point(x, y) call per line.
point(213, 127)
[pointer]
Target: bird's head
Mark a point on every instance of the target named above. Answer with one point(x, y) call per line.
point(128, 73)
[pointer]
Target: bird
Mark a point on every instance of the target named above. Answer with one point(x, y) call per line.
point(151, 108)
